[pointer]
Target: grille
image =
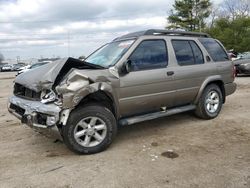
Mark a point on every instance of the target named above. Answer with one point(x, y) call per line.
point(17, 109)
point(24, 92)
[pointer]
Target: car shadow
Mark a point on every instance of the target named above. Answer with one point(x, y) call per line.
point(243, 75)
point(148, 128)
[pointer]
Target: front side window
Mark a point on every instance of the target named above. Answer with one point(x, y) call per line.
point(246, 56)
point(109, 54)
point(187, 52)
point(150, 54)
point(214, 49)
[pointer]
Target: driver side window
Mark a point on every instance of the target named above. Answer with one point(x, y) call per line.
point(150, 54)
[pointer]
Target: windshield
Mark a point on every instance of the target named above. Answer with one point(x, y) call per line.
point(37, 65)
point(246, 56)
point(109, 54)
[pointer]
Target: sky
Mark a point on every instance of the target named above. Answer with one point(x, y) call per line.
point(51, 28)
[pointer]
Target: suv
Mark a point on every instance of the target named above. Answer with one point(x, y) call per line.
point(137, 77)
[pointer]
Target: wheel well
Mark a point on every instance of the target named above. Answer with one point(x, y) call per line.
point(222, 88)
point(101, 98)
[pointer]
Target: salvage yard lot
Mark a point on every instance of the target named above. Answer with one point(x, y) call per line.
point(214, 153)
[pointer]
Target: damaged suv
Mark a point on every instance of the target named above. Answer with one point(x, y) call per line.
point(137, 77)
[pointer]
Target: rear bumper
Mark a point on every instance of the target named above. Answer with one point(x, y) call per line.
point(230, 88)
point(42, 117)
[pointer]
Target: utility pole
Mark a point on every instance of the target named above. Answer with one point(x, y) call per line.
point(18, 59)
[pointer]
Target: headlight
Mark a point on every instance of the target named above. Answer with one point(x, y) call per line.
point(48, 96)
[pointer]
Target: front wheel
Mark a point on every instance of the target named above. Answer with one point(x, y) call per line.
point(89, 129)
point(210, 103)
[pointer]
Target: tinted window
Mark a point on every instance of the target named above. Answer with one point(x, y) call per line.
point(214, 49)
point(187, 52)
point(198, 56)
point(150, 54)
point(183, 52)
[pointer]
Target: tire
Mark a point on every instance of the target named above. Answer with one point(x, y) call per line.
point(210, 102)
point(90, 129)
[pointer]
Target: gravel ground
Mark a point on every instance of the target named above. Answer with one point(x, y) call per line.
point(214, 153)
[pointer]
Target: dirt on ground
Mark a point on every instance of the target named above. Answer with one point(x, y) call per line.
point(176, 151)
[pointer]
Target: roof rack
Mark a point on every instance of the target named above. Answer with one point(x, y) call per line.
point(174, 32)
point(163, 32)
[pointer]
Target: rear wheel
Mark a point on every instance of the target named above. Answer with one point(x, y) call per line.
point(210, 103)
point(90, 129)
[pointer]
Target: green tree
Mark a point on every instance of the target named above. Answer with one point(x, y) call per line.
point(189, 14)
point(233, 33)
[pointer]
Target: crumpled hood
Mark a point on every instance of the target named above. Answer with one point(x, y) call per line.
point(45, 76)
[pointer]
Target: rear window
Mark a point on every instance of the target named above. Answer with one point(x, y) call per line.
point(214, 49)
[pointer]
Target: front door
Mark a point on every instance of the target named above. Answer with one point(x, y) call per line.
point(147, 87)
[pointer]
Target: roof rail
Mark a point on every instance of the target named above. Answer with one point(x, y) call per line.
point(131, 35)
point(174, 32)
point(162, 32)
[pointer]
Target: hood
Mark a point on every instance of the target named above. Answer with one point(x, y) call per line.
point(46, 76)
point(241, 61)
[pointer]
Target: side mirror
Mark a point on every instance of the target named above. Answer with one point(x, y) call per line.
point(127, 66)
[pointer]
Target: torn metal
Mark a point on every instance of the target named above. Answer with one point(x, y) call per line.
point(78, 84)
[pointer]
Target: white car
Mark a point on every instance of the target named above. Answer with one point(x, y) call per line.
point(7, 68)
point(29, 67)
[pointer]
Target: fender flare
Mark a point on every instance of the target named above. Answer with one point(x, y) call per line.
point(206, 82)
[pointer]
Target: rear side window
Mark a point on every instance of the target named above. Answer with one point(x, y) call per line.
point(214, 49)
point(187, 52)
point(150, 54)
point(198, 56)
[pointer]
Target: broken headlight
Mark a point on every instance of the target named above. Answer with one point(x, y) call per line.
point(48, 96)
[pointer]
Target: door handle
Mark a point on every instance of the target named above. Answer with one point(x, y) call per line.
point(170, 73)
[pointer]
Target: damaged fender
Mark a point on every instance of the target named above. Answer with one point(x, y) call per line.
point(76, 86)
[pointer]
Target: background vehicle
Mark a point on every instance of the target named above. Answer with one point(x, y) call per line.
point(29, 67)
point(7, 67)
point(243, 64)
point(16, 67)
point(137, 77)
point(1, 65)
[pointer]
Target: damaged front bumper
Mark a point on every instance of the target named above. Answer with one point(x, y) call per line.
point(42, 117)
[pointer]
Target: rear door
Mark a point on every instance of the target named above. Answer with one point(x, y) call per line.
point(191, 70)
point(147, 87)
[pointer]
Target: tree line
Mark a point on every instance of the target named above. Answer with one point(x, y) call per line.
point(229, 21)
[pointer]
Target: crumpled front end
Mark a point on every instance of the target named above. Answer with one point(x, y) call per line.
point(36, 114)
point(34, 100)
point(44, 97)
